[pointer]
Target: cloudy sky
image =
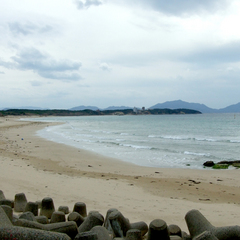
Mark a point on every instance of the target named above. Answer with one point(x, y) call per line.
point(66, 53)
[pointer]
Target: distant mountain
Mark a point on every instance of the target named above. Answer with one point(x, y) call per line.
point(230, 109)
point(25, 107)
point(181, 104)
point(177, 104)
point(80, 108)
point(118, 108)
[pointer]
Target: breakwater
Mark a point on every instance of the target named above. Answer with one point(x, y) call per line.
point(23, 219)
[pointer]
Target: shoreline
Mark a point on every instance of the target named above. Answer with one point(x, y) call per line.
point(41, 168)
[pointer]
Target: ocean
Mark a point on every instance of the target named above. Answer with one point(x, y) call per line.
point(166, 141)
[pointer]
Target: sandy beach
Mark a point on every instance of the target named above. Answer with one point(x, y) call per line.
point(42, 168)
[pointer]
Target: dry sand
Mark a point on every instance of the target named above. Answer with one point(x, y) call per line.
point(42, 168)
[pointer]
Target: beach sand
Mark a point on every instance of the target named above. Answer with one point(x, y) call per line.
point(42, 168)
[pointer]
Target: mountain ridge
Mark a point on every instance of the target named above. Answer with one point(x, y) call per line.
point(94, 108)
point(234, 108)
point(175, 104)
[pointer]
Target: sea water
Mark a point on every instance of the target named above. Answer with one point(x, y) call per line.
point(168, 141)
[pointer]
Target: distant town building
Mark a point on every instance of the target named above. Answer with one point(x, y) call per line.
point(135, 110)
point(139, 110)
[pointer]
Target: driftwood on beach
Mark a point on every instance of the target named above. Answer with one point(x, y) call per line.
point(47, 223)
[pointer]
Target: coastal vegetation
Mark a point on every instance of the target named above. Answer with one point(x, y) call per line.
point(88, 112)
point(222, 164)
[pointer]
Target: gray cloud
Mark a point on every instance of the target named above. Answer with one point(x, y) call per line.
point(36, 83)
point(204, 56)
point(135, 60)
point(60, 76)
point(44, 65)
point(226, 53)
point(28, 28)
point(2, 72)
point(8, 65)
point(105, 67)
point(88, 3)
point(183, 7)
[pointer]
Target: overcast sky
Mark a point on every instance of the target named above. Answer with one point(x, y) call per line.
point(66, 53)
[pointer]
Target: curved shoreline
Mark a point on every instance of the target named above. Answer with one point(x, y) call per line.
point(43, 168)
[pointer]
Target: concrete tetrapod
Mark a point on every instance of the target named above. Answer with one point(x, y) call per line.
point(76, 217)
point(92, 220)
point(197, 224)
point(81, 208)
point(134, 234)
point(20, 202)
point(21, 233)
point(2, 195)
point(107, 223)
point(32, 207)
point(142, 226)
point(69, 228)
point(6, 202)
point(42, 219)
point(119, 224)
point(86, 236)
point(158, 230)
point(47, 207)
point(57, 216)
point(4, 219)
point(8, 210)
point(175, 230)
point(102, 233)
point(8, 231)
point(207, 235)
point(28, 216)
point(63, 209)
